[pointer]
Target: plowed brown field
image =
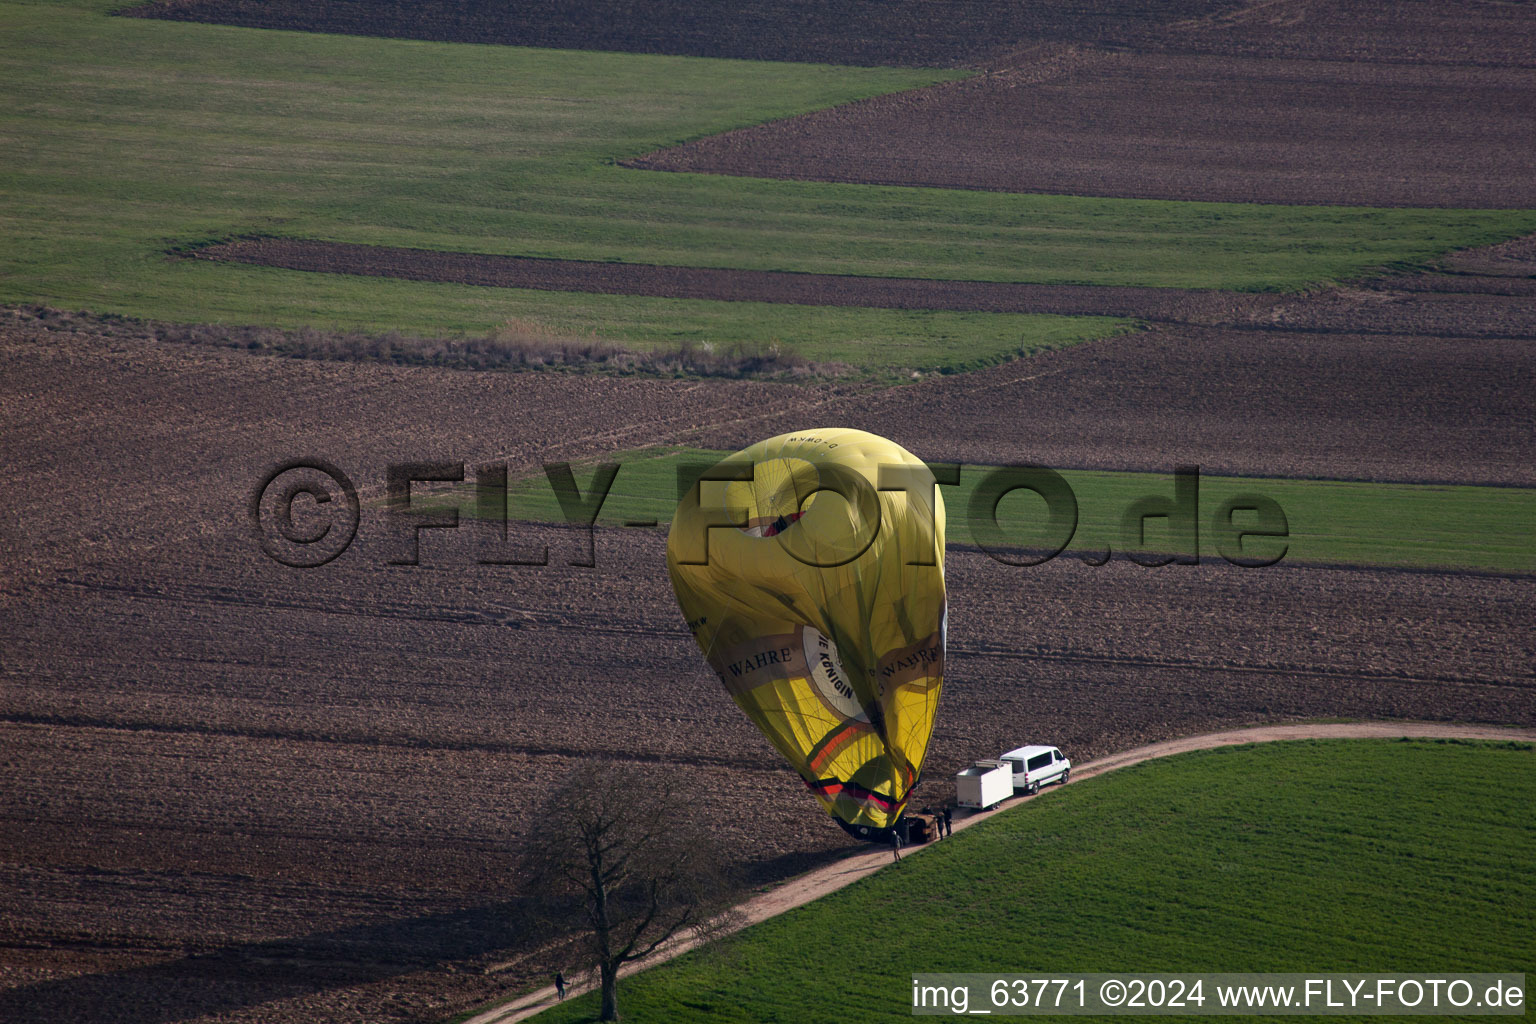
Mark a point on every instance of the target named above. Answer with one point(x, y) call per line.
point(1240, 385)
point(1172, 126)
point(917, 33)
point(1325, 102)
point(238, 791)
point(1338, 103)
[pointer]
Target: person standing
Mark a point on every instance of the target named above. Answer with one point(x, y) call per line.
point(949, 829)
point(560, 985)
point(896, 845)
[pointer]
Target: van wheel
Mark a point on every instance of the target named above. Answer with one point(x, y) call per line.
point(1065, 776)
point(1033, 788)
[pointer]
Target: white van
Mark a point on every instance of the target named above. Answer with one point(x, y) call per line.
point(1037, 766)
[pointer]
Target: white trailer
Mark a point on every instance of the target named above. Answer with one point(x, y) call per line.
point(983, 784)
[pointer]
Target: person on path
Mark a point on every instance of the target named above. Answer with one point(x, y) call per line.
point(560, 985)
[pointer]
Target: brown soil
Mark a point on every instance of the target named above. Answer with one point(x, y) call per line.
point(1338, 103)
point(235, 791)
point(238, 791)
point(737, 285)
point(918, 33)
point(1234, 382)
point(1470, 33)
point(1244, 402)
point(1514, 260)
point(1463, 304)
point(1327, 102)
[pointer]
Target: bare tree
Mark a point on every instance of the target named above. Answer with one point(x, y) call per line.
point(623, 857)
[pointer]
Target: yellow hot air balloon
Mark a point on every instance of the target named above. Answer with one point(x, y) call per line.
point(810, 568)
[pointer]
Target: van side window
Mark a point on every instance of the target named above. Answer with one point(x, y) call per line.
point(1039, 761)
point(1060, 756)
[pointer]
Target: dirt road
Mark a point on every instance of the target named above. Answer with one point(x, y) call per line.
point(343, 751)
point(816, 884)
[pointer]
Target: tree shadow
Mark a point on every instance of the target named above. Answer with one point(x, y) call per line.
point(242, 976)
point(776, 870)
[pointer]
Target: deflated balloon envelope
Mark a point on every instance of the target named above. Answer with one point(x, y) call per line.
point(810, 570)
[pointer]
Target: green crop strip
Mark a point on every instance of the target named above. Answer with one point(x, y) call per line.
point(1344, 855)
point(125, 138)
point(1327, 522)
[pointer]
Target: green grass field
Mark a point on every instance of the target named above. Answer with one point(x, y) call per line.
point(1491, 529)
point(125, 137)
point(1320, 856)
